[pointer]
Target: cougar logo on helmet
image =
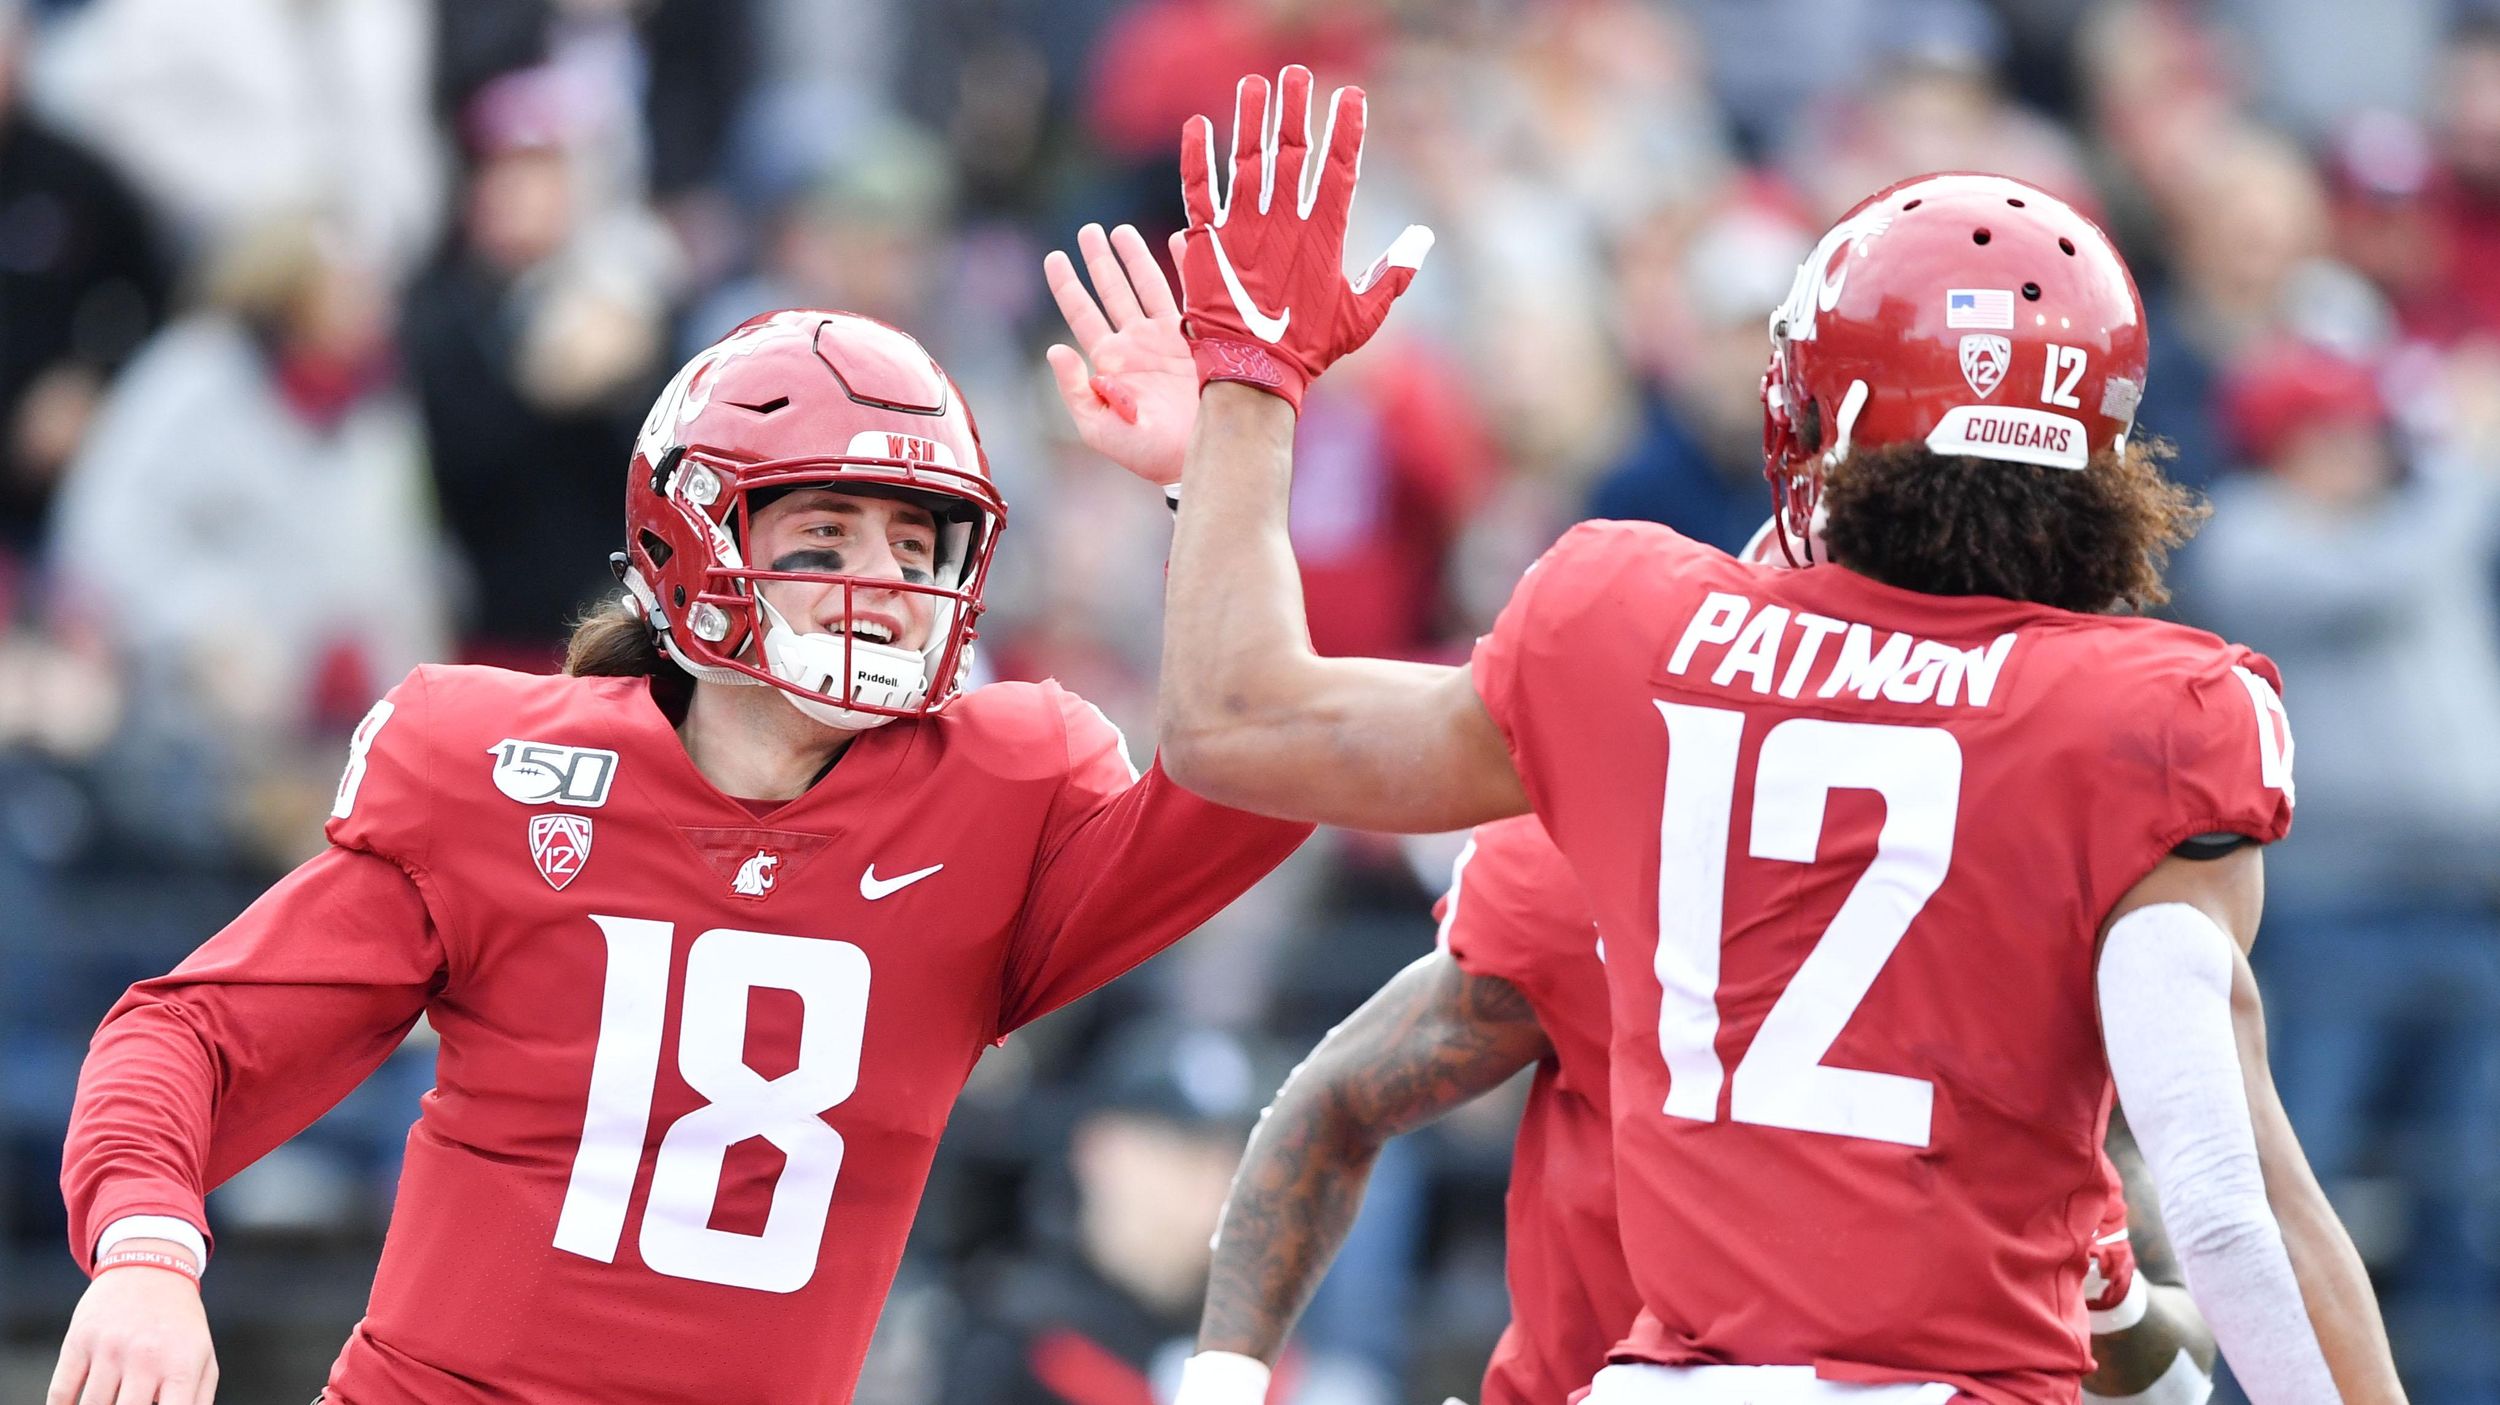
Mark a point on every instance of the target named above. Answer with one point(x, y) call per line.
point(689, 392)
point(1825, 274)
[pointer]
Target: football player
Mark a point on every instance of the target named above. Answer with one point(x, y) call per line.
point(1516, 983)
point(712, 929)
point(1902, 858)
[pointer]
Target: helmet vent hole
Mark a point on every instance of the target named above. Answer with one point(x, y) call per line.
point(2031, 292)
point(654, 548)
point(678, 596)
point(767, 407)
point(2068, 245)
point(1913, 205)
point(2014, 201)
point(1979, 236)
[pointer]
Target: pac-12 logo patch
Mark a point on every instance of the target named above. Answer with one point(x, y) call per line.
point(545, 773)
point(560, 845)
point(1984, 362)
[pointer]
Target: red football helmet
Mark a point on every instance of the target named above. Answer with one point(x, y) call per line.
point(806, 399)
point(1976, 314)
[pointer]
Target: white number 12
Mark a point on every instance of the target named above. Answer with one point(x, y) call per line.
point(1782, 1080)
point(2059, 374)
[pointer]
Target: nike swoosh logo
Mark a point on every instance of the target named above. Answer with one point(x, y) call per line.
point(872, 887)
point(1267, 329)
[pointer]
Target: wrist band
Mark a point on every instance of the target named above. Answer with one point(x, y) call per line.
point(1222, 1378)
point(146, 1258)
point(1246, 363)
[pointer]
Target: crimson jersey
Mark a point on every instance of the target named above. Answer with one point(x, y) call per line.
point(1514, 912)
point(1851, 847)
point(694, 1062)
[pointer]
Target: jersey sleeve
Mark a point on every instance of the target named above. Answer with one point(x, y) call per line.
point(196, 1074)
point(1129, 864)
point(1530, 670)
point(385, 797)
point(2229, 759)
point(1504, 654)
point(1512, 907)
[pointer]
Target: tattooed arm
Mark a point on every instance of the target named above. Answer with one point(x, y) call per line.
point(1432, 1038)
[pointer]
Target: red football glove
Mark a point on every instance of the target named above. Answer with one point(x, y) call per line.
point(1263, 287)
point(2113, 1296)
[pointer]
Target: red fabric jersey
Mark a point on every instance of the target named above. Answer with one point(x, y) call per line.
point(693, 1062)
point(1515, 912)
point(1851, 847)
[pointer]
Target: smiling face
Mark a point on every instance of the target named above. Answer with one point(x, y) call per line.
point(854, 534)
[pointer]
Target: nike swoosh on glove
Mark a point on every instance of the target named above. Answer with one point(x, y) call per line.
point(1264, 294)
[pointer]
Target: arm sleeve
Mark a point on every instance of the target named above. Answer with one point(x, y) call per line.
point(1129, 865)
point(198, 1073)
point(2165, 994)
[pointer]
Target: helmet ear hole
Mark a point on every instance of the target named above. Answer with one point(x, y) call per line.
point(654, 549)
point(1810, 427)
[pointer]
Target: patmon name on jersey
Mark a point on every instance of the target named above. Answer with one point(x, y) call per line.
point(1737, 642)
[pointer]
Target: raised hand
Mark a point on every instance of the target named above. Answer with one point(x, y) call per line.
point(1263, 279)
point(1136, 405)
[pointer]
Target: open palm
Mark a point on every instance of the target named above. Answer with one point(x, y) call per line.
point(1140, 398)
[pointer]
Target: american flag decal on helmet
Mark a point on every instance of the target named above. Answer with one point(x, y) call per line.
point(1979, 307)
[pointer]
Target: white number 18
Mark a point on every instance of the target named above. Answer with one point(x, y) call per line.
point(722, 967)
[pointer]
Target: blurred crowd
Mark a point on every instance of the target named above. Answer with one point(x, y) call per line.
point(325, 324)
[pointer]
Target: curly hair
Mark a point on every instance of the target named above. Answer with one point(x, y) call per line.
point(2093, 540)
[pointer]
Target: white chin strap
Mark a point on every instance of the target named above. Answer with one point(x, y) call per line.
point(879, 674)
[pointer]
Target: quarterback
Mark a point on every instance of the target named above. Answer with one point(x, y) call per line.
point(712, 929)
point(1903, 859)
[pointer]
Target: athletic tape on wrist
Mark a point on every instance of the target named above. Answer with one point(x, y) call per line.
point(1222, 1378)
